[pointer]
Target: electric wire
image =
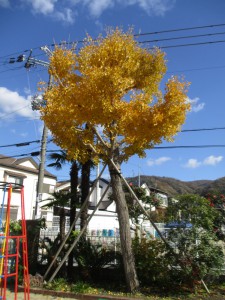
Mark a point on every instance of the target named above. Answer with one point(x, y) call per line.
point(12, 69)
point(51, 140)
point(188, 147)
point(136, 35)
point(190, 44)
point(20, 144)
point(36, 153)
point(179, 29)
point(149, 48)
point(13, 112)
point(197, 69)
point(203, 129)
point(181, 37)
point(148, 41)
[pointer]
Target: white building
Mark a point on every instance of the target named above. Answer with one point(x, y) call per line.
point(23, 171)
point(147, 228)
point(105, 220)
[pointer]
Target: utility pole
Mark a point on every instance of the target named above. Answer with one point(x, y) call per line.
point(139, 176)
point(41, 170)
point(37, 102)
point(97, 185)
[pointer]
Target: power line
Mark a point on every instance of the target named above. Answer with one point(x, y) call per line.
point(190, 44)
point(182, 37)
point(51, 140)
point(21, 155)
point(179, 29)
point(151, 48)
point(203, 129)
point(136, 35)
point(20, 144)
point(197, 69)
point(187, 147)
point(6, 115)
point(36, 153)
point(12, 69)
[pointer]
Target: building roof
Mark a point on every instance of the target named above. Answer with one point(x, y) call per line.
point(103, 180)
point(16, 164)
point(153, 189)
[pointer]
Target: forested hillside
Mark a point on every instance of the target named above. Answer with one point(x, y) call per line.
point(176, 187)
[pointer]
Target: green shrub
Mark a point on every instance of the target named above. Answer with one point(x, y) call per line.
point(59, 284)
point(198, 254)
point(91, 258)
point(151, 264)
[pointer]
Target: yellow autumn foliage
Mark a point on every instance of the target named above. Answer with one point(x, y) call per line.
point(112, 83)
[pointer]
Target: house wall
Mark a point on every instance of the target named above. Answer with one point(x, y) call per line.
point(30, 184)
point(106, 219)
point(103, 220)
point(98, 192)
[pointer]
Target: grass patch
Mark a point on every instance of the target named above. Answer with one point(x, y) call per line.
point(217, 292)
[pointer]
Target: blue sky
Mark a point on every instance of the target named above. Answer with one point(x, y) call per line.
point(30, 24)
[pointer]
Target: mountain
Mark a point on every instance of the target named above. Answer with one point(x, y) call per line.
point(174, 187)
point(216, 185)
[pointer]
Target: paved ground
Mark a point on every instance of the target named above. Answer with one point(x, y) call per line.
point(35, 295)
point(20, 296)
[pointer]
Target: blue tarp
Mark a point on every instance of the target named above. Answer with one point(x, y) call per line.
point(180, 224)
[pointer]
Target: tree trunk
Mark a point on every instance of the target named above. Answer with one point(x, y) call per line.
point(125, 233)
point(73, 203)
point(62, 224)
point(73, 186)
point(85, 186)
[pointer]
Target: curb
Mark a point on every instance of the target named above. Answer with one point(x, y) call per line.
point(76, 296)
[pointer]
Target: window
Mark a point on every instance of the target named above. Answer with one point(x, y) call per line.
point(13, 213)
point(47, 188)
point(15, 179)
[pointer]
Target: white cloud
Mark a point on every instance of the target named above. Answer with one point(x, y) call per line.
point(50, 8)
point(24, 134)
point(192, 163)
point(158, 161)
point(66, 11)
point(66, 15)
point(27, 91)
point(4, 3)
point(195, 106)
point(97, 7)
point(156, 7)
point(14, 131)
point(12, 104)
point(212, 160)
point(44, 7)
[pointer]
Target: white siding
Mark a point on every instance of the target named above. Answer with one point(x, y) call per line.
point(30, 185)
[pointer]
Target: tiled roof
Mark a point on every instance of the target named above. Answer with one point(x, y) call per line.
point(15, 164)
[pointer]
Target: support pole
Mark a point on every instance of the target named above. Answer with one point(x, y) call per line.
point(149, 218)
point(78, 237)
point(140, 204)
point(142, 207)
point(74, 222)
point(132, 192)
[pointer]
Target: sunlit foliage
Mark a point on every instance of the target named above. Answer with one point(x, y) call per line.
point(112, 84)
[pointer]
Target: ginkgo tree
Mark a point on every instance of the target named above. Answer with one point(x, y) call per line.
point(113, 84)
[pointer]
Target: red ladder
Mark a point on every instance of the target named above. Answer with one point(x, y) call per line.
point(10, 247)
